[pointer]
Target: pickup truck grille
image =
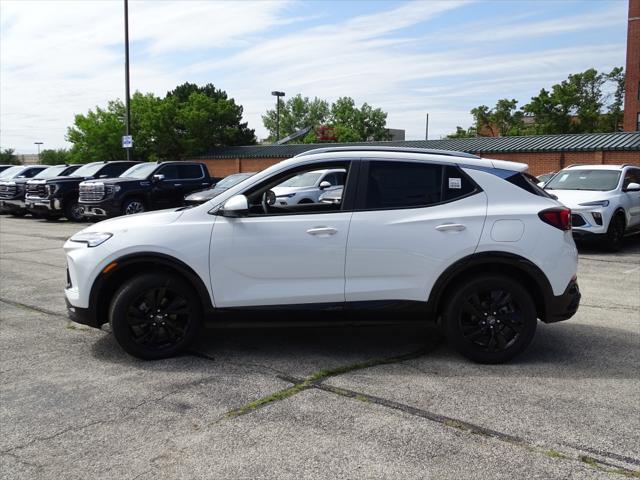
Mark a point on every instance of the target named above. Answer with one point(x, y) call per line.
point(92, 192)
point(8, 191)
point(38, 190)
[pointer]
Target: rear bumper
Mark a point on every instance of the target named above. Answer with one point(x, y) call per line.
point(564, 306)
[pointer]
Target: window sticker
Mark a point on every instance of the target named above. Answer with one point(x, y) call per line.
point(563, 177)
point(455, 183)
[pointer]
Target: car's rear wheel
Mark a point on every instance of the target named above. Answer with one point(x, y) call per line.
point(490, 318)
point(615, 233)
point(132, 206)
point(155, 315)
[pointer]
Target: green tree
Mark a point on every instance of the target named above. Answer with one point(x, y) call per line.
point(96, 136)
point(55, 156)
point(615, 100)
point(504, 119)
point(8, 157)
point(187, 122)
point(295, 114)
point(462, 133)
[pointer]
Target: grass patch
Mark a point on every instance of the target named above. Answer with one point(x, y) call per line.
point(555, 454)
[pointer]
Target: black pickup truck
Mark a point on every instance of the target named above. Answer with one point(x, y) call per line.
point(58, 196)
point(12, 187)
point(147, 186)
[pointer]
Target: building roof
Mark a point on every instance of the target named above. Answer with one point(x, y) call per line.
point(583, 142)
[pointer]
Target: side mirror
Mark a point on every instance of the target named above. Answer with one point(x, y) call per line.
point(324, 185)
point(633, 187)
point(158, 177)
point(236, 206)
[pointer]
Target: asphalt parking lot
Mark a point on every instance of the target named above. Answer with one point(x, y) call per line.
point(313, 402)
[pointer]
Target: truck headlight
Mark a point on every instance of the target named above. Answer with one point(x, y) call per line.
point(92, 239)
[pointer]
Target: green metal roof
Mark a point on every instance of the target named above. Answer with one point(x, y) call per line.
point(584, 142)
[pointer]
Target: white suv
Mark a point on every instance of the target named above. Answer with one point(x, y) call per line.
point(308, 186)
point(471, 244)
point(604, 200)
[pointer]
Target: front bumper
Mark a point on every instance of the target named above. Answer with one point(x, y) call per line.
point(12, 204)
point(564, 306)
point(85, 316)
point(103, 210)
point(36, 203)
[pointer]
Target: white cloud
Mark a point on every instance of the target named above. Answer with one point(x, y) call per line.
point(62, 58)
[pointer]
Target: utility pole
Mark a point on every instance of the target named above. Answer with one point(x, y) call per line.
point(38, 144)
point(277, 94)
point(426, 132)
point(126, 75)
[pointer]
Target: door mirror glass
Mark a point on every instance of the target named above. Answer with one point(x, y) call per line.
point(236, 206)
point(324, 185)
point(633, 187)
point(158, 177)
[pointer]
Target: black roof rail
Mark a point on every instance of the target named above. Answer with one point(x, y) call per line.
point(449, 153)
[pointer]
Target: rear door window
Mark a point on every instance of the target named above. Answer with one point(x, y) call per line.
point(190, 171)
point(170, 172)
point(392, 184)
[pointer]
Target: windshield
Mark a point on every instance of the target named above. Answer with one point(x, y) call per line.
point(87, 170)
point(307, 179)
point(51, 172)
point(600, 180)
point(232, 180)
point(11, 172)
point(140, 171)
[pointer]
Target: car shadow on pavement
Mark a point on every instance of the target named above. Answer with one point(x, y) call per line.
point(631, 244)
point(563, 350)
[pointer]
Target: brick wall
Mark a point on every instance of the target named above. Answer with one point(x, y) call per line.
point(539, 163)
point(631, 99)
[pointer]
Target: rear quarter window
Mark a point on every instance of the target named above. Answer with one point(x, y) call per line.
point(528, 183)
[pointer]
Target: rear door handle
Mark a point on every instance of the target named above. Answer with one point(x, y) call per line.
point(450, 227)
point(322, 231)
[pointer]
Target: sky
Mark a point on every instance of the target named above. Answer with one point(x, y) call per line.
point(59, 58)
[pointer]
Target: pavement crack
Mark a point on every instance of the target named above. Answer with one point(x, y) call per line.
point(317, 377)
point(31, 307)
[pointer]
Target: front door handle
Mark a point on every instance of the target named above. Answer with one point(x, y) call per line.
point(450, 227)
point(322, 231)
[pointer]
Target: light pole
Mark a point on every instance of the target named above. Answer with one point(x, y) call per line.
point(126, 72)
point(38, 143)
point(277, 94)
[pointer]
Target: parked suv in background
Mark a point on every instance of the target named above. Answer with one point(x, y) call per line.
point(17, 205)
point(147, 186)
point(58, 197)
point(604, 200)
point(307, 187)
point(472, 244)
point(12, 185)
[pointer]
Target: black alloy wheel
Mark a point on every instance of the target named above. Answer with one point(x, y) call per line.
point(73, 211)
point(490, 319)
point(133, 206)
point(155, 316)
point(615, 233)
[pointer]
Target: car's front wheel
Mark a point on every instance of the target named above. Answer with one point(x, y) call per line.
point(155, 315)
point(615, 233)
point(73, 210)
point(490, 318)
point(133, 205)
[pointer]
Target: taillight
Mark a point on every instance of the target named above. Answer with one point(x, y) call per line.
point(557, 217)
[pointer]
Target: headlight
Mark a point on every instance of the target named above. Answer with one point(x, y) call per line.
point(92, 239)
point(51, 189)
point(289, 195)
point(599, 203)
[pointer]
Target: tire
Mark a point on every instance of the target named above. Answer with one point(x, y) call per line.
point(73, 211)
point(19, 213)
point(133, 205)
point(615, 233)
point(475, 330)
point(155, 315)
